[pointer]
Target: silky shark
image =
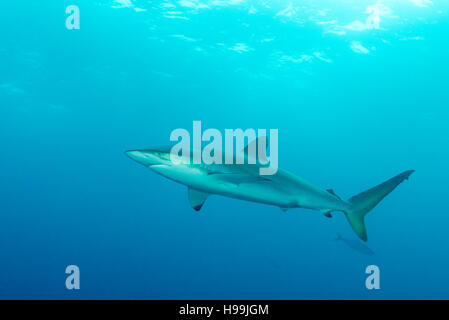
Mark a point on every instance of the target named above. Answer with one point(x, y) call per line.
point(243, 181)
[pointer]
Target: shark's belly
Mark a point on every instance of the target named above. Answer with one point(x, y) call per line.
point(263, 192)
point(260, 191)
point(281, 191)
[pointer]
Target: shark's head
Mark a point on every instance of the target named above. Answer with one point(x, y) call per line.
point(164, 162)
point(150, 157)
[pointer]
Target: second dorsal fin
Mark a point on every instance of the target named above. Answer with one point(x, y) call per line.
point(332, 192)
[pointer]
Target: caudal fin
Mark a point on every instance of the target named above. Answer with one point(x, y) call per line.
point(362, 203)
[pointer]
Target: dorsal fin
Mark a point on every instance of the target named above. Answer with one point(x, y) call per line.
point(197, 198)
point(263, 141)
point(332, 192)
point(255, 143)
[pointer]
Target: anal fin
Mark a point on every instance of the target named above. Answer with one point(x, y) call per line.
point(326, 213)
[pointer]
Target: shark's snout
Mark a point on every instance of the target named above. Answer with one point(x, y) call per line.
point(138, 156)
point(134, 154)
point(147, 157)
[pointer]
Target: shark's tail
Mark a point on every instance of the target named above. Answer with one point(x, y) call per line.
point(362, 203)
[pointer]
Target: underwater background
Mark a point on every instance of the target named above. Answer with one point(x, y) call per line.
point(357, 88)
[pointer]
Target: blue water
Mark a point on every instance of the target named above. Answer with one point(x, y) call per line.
point(358, 91)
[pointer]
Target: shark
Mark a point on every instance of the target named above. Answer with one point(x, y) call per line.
point(243, 181)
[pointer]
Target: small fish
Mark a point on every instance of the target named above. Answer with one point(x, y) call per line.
point(355, 245)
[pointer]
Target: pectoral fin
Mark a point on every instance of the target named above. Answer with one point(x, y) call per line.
point(197, 198)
